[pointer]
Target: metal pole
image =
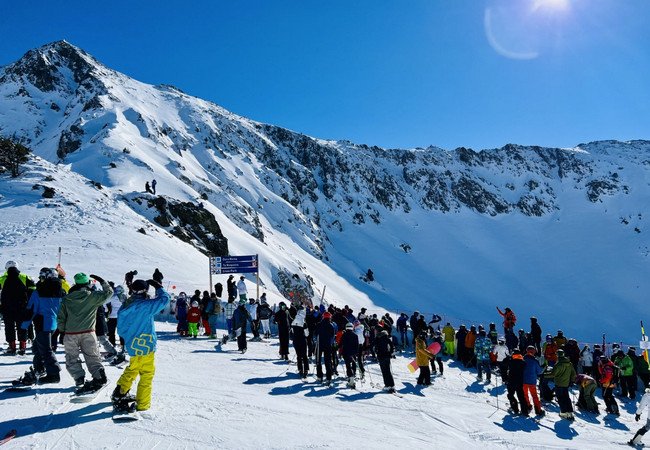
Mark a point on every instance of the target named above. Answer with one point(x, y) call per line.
point(257, 276)
point(210, 270)
point(322, 297)
point(59, 260)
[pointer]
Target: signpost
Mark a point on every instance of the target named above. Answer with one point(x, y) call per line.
point(220, 265)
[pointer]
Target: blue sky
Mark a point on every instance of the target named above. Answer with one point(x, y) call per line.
point(473, 73)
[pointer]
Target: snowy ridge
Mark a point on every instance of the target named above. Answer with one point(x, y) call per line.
point(549, 232)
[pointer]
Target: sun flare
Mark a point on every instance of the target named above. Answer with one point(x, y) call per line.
point(556, 5)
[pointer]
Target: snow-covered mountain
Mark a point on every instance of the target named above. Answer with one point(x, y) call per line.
point(556, 233)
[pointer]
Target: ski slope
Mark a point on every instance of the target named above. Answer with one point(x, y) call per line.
point(210, 397)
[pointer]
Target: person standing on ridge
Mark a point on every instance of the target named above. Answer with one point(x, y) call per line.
point(509, 320)
point(153, 186)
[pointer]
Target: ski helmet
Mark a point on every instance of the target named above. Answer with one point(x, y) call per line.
point(139, 287)
point(349, 326)
point(10, 264)
point(81, 279)
point(327, 315)
point(560, 353)
point(195, 304)
point(46, 272)
point(531, 349)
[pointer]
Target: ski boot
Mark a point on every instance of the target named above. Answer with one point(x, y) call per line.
point(23, 347)
point(29, 379)
point(11, 351)
point(49, 378)
point(119, 358)
point(90, 386)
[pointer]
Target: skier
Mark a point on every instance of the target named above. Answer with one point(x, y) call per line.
point(43, 306)
point(449, 333)
point(461, 334)
point(550, 351)
point(509, 320)
point(360, 331)
point(241, 288)
point(16, 289)
point(384, 349)
point(153, 190)
point(240, 320)
point(470, 341)
point(251, 307)
point(643, 405)
point(625, 365)
point(536, 334)
point(483, 347)
point(181, 314)
point(502, 355)
point(532, 371)
point(350, 347)
point(586, 398)
point(193, 319)
point(135, 323)
point(492, 334)
point(300, 334)
point(402, 328)
point(560, 340)
point(515, 377)
point(229, 310)
point(77, 318)
point(325, 336)
point(572, 351)
point(422, 357)
point(413, 322)
point(586, 360)
point(281, 318)
point(265, 313)
point(563, 375)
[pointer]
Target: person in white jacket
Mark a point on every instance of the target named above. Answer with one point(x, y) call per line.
point(645, 404)
point(586, 360)
point(502, 353)
point(359, 330)
point(241, 288)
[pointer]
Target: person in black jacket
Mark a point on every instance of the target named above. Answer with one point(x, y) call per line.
point(240, 320)
point(461, 351)
point(515, 378)
point(325, 337)
point(281, 318)
point(350, 347)
point(413, 322)
point(16, 289)
point(313, 317)
point(384, 349)
point(231, 286)
point(157, 276)
point(536, 334)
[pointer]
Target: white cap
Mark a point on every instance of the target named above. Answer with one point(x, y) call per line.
point(10, 264)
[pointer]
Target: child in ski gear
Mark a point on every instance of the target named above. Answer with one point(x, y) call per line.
point(482, 348)
point(586, 399)
point(181, 314)
point(643, 405)
point(16, 289)
point(193, 319)
point(422, 357)
point(136, 325)
point(384, 349)
point(43, 306)
point(607, 372)
point(77, 318)
point(509, 319)
point(563, 375)
point(532, 371)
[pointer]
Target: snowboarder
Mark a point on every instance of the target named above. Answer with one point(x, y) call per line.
point(643, 405)
point(492, 334)
point(153, 190)
point(586, 360)
point(100, 331)
point(549, 350)
point(502, 355)
point(193, 319)
point(281, 318)
point(449, 333)
point(43, 306)
point(135, 323)
point(16, 289)
point(625, 363)
point(461, 334)
point(413, 322)
point(350, 348)
point(77, 318)
point(470, 341)
point(437, 337)
point(563, 375)
point(422, 357)
point(251, 307)
point(532, 371)
point(114, 304)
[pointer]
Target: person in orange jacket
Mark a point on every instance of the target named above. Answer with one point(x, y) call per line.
point(193, 319)
point(607, 370)
point(470, 342)
point(509, 320)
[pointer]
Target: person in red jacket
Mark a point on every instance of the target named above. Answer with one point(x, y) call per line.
point(193, 319)
point(509, 320)
point(607, 371)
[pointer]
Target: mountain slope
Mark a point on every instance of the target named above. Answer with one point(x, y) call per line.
point(550, 232)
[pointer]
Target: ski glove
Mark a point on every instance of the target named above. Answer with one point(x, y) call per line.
point(97, 278)
point(154, 284)
point(637, 417)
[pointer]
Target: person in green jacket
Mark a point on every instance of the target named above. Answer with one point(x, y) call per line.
point(563, 375)
point(643, 370)
point(625, 364)
point(76, 319)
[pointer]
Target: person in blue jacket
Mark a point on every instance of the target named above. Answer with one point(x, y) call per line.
point(532, 371)
point(135, 324)
point(43, 307)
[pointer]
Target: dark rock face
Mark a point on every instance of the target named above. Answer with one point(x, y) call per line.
point(188, 222)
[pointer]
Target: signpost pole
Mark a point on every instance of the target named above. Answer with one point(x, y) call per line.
point(210, 270)
point(322, 297)
point(257, 276)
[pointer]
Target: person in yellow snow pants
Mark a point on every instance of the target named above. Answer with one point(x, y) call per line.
point(144, 367)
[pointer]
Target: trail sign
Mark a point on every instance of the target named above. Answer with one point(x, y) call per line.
point(233, 264)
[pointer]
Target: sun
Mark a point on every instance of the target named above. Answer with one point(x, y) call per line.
point(555, 5)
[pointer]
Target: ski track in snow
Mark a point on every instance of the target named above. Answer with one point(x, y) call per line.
point(213, 396)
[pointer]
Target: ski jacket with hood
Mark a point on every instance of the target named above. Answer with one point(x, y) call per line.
point(135, 322)
point(78, 312)
point(44, 304)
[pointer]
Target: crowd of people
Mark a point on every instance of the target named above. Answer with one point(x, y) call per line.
point(535, 368)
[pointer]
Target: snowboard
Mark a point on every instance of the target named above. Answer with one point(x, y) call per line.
point(86, 398)
point(9, 436)
point(19, 388)
point(126, 416)
point(433, 348)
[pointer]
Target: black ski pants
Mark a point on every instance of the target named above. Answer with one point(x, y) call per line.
point(350, 365)
point(300, 346)
point(425, 376)
point(610, 402)
point(563, 399)
point(242, 343)
point(360, 360)
point(384, 365)
point(326, 354)
point(520, 399)
point(44, 358)
point(12, 327)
